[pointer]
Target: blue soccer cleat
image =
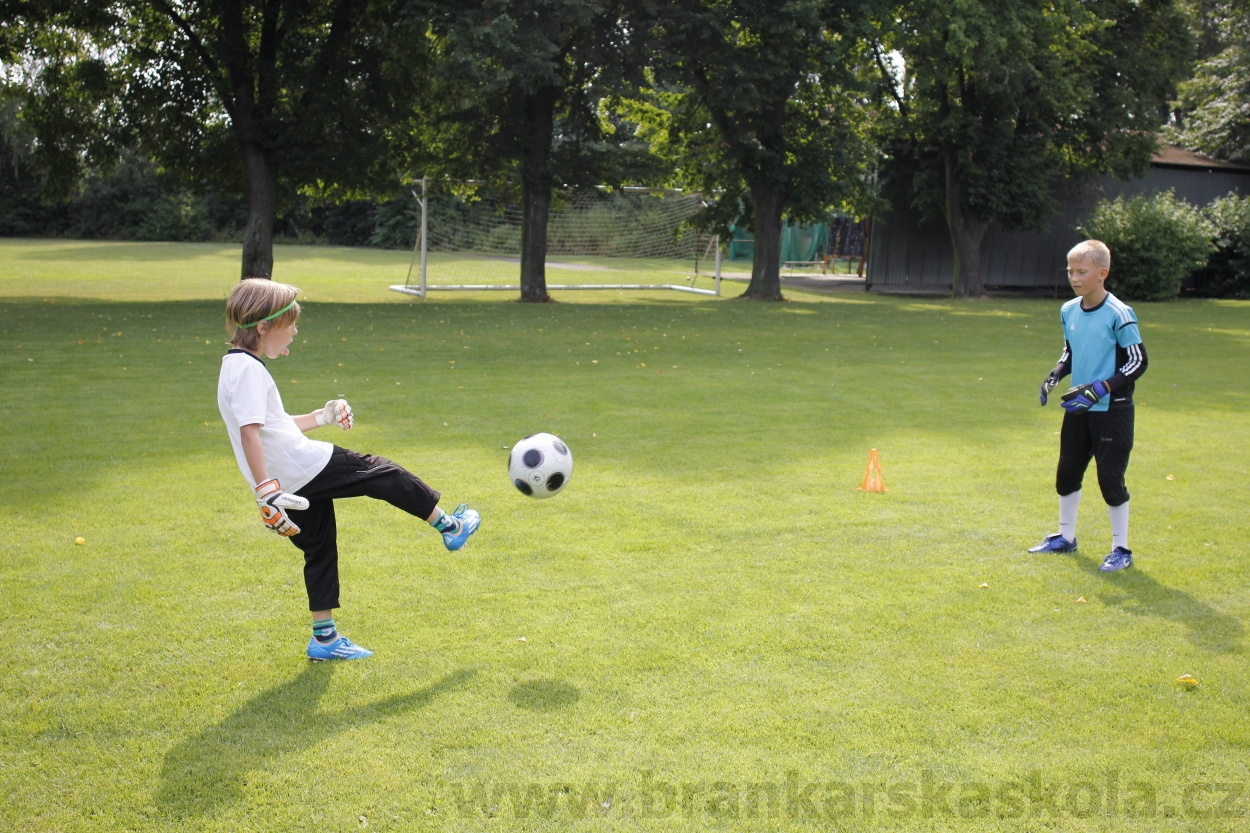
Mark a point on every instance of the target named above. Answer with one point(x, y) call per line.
point(469, 520)
point(1119, 559)
point(1055, 543)
point(341, 648)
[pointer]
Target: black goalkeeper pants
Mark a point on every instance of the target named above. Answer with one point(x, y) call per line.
point(348, 474)
point(1105, 436)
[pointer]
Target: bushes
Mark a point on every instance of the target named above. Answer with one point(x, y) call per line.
point(128, 202)
point(178, 217)
point(133, 200)
point(380, 223)
point(340, 224)
point(395, 223)
point(1228, 270)
point(1156, 241)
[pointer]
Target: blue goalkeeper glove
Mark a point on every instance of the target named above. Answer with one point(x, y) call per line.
point(1048, 384)
point(1081, 398)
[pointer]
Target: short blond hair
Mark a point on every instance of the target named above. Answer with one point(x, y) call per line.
point(1091, 251)
point(253, 300)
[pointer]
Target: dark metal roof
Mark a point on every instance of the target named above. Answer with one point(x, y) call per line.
point(1171, 156)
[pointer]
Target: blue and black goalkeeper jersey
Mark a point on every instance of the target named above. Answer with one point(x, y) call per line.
point(1102, 343)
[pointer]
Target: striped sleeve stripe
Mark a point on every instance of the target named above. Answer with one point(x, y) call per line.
point(1133, 364)
point(1122, 311)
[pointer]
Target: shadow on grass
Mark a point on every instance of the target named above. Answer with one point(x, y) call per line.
point(544, 695)
point(162, 251)
point(211, 768)
point(1137, 593)
point(123, 250)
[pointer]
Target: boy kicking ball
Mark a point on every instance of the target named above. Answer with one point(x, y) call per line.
point(277, 460)
point(1104, 353)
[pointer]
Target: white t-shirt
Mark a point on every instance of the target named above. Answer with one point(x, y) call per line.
point(247, 395)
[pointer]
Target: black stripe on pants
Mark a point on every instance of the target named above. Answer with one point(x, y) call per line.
point(348, 474)
point(1106, 436)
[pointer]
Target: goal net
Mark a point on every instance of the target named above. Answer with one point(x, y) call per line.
point(469, 238)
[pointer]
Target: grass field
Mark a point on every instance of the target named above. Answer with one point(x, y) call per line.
point(454, 269)
point(711, 629)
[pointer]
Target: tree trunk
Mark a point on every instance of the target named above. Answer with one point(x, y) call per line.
point(766, 268)
point(260, 171)
point(535, 208)
point(967, 230)
point(536, 194)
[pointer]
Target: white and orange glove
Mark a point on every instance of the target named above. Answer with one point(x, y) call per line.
point(273, 503)
point(336, 412)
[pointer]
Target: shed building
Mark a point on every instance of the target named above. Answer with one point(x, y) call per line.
point(907, 254)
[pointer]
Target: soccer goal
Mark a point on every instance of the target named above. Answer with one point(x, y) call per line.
point(469, 238)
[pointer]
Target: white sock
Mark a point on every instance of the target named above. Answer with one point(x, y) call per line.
point(1119, 525)
point(1068, 504)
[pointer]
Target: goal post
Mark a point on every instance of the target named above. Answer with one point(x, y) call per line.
point(634, 238)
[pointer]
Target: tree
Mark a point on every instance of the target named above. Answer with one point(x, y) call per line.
point(1209, 24)
point(63, 111)
point(1213, 107)
point(770, 103)
point(999, 97)
point(523, 83)
point(269, 95)
point(22, 212)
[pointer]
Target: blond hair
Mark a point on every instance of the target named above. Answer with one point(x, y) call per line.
point(1092, 251)
point(254, 300)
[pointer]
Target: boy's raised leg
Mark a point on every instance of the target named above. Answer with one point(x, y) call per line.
point(456, 527)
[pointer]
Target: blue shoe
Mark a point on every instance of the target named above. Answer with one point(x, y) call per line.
point(1120, 559)
point(341, 648)
point(1055, 543)
point(470, 520)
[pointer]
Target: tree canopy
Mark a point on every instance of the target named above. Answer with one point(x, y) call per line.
point(1214, 104)
point(769, 103)
point(999, 97)
point(967, 109)
point(522, 84)
point(266, 96)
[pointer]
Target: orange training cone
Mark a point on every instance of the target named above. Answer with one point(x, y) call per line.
point(874, 480)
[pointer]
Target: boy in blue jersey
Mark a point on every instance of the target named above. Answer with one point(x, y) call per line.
point(1104, 353)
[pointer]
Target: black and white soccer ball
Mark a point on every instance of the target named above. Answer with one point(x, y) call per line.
point(540, 465)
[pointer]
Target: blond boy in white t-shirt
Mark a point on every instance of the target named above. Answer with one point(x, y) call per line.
point(278, 461)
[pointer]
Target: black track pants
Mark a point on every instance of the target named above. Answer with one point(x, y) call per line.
point(348, 474)
point(1106, 436)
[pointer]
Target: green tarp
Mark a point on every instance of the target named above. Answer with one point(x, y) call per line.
point(800, 242)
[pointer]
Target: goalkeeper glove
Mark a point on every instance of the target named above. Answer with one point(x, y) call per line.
point(1048, 384)
point(338, 412)
point(273, 502)
point(1083, 397)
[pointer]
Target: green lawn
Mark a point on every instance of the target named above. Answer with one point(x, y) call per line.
point(457, 269)
point(710, 629)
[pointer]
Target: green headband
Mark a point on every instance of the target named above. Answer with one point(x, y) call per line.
point(268, 317)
